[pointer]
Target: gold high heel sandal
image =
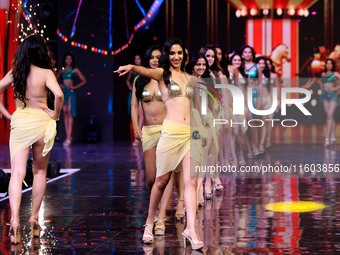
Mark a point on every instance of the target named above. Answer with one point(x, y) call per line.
point(35, 227)
point(195, 243)
point(14, 232)
point(160, 227)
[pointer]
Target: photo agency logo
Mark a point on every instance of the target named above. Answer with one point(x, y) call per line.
point(254, 105)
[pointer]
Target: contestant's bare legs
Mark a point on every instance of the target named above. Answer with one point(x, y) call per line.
point(39, 170)
point(68, 120)
point(155, 197)
point(18, 173)
point(150, 167)
point(190, 195)
point(330, 109)
point(165, 199)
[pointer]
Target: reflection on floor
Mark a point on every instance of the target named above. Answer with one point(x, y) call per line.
point(102, 208)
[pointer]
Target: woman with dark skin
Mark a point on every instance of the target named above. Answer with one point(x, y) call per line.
point(174, 145)
point(67, 74)
point(32, 124)
point(330, 99)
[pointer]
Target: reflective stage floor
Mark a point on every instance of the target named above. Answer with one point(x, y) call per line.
point(102, 208)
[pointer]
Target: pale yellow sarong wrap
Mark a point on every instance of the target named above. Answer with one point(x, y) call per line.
point(196, 149)
point(150, 136)
point(28, 125)
point(173, 145)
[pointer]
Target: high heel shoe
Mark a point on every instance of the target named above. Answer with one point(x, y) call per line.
point(262, 149)
point(327, 143)
point(180, 215)
point(160, 227)
point(208, 196)
point(67, 143)
point(35, 227)
point(333, 141)
point(195, 243)
point(14, 232)
point(149, 235)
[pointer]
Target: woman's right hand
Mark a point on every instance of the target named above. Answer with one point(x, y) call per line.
point(122, 70)
point(138, 133)
point(53, 114)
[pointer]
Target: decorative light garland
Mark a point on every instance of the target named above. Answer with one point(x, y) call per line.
point(150, 16)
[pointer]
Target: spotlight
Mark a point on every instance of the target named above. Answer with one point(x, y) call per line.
point(306, 13)
point(279, 11)
point(238, 13)
point(291, 11)
point(244, 12)
point(265, 12)
point(253, 12)
point(301, 12)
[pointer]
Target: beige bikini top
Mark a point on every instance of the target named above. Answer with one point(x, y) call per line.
point(147, 97)
point(175, 90)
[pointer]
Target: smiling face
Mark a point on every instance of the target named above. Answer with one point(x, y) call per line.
point(210, 56)
point(261, 64)
point(155, 55)
point(200, 67)
point(68, 60)
point(236, 61)
point(329, 66)
point(176, 56)
point(247, 54)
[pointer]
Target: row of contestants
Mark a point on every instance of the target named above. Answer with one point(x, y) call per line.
point(166, 133)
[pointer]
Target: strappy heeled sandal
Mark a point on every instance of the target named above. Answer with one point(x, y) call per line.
point(160, 227)
point(149, 235)
point(35, 227)
point(195, 243)
point(14, 232)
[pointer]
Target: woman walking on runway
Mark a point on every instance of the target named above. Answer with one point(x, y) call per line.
point(174, 145)
point(67, 74)
point(330, 99)
point(146, 90)
point(32, 124)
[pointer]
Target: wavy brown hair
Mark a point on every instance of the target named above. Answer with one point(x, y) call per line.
point(32, 51)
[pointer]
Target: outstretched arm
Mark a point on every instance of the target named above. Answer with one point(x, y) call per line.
point(155, 74)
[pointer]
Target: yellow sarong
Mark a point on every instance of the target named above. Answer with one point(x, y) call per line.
point(196, 151)
point(173, 145)
point(28, 125)
point(150, 136)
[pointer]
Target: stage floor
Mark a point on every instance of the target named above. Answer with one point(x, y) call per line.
point(101, 209)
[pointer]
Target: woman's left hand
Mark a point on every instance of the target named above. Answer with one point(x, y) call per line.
point(53, 114)
point(122, 70)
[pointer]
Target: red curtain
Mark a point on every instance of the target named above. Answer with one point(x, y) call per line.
point(9, 33)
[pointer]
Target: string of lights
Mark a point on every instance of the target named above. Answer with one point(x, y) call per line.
point(143, 23)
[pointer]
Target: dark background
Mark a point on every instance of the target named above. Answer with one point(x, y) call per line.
point(93, 30)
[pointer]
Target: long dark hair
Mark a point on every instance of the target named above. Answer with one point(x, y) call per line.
point(272, 69)
point(142, 81)
point(215, 67)
point(193, 62)
point(164, 60)
point(73, 60)
point(266, 71)
point(241, 68)
point(240, 52)
point(333, 63)
point(32, 51)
